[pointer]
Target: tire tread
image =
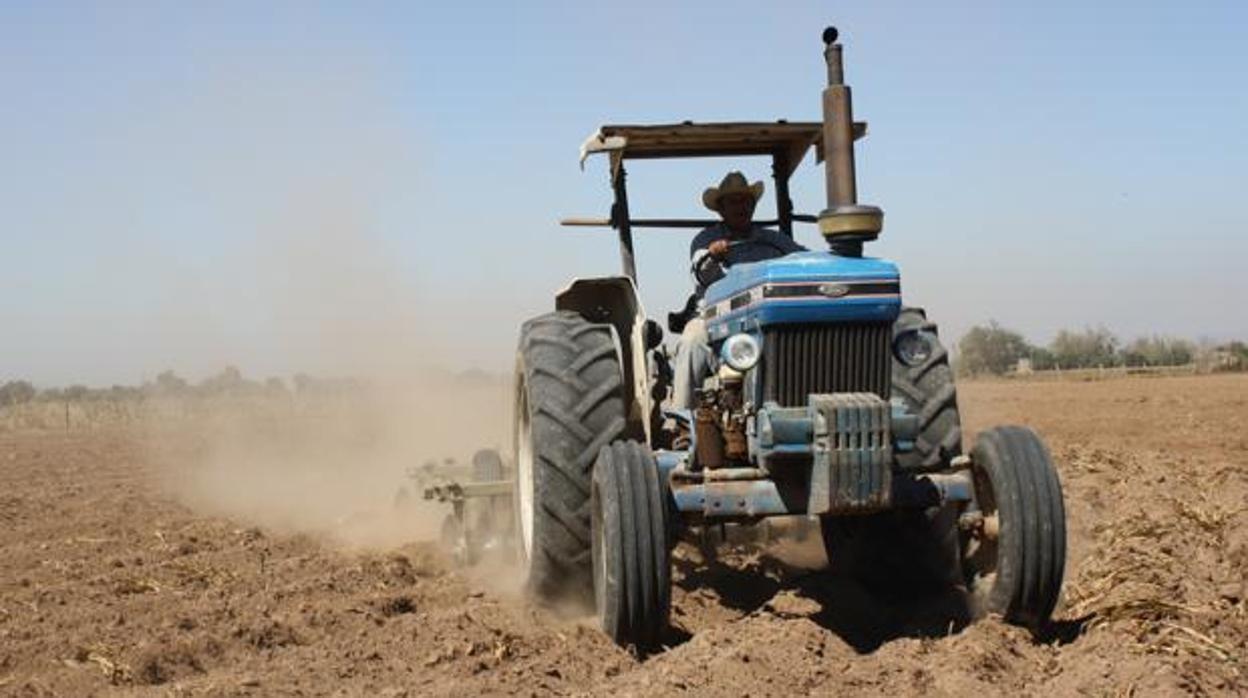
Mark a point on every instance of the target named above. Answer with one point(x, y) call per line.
point(572, 376)
point(1031, 548)
point(636, 598)
point(929, 390)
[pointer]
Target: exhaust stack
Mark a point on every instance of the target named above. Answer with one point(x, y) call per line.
point(845, 223)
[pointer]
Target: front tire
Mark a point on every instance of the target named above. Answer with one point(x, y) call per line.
point(1015, 560)
point(569, 404)
point(631, 563)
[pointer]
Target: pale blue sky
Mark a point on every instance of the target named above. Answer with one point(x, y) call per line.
point(300, 187)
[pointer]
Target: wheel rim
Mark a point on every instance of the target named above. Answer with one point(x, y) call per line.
point(979, 549)
point(524, 473)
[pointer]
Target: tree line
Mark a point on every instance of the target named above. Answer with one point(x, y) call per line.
point(985, 349)
point(996, 350)
point(229, 382)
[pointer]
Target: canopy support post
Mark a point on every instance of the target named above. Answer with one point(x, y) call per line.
point(784, 205)
point(622, 223)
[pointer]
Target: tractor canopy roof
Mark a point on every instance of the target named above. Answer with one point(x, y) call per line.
point(785, 141)
point(844, 222)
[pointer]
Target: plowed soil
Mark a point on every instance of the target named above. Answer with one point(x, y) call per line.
point(113, 579)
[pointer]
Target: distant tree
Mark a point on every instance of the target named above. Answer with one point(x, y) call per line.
point(121, 393)
point(1090, 348)
point(170, 384)
point(16, 392)
point(991, 349)
point(77, 392)
point(229, 381)
point(52, 394)
point(1158, 351)
point(1042, 359)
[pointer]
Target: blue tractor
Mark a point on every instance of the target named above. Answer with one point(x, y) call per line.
point(830, 398)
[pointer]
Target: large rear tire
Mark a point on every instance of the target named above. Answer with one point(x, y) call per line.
point(569, 404)
point(631, 563)
point(928, 390)
point(1014, 562)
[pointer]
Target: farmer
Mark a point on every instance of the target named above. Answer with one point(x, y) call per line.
point(734, 240)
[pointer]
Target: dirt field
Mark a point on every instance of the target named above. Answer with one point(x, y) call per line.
point(115, 580)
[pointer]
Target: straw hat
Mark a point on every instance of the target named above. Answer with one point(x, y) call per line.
point(732, 183)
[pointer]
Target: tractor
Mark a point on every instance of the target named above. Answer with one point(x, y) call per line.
point(829, 399)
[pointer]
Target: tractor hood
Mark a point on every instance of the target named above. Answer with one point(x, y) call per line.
point(805, 287)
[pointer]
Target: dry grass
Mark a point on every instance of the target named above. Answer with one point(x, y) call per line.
point(104, 659)
point(1137, 582)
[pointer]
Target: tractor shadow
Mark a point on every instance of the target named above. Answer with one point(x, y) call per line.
point(865, 619)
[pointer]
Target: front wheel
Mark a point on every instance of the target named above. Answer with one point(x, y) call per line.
point(1014, 557)
point(631, 563)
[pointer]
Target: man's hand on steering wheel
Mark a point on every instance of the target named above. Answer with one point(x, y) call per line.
point(718, 249)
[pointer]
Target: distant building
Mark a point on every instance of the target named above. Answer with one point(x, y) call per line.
point(1223, 359)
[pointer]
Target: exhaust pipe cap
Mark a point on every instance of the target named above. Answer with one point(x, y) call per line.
point(852, 221)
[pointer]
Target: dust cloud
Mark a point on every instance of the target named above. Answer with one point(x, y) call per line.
point(331, 465)
point(383, 393)
point(307, 277)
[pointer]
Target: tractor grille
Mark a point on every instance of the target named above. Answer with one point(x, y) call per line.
point(846, 358)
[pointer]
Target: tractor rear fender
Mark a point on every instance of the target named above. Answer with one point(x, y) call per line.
point(614, 300)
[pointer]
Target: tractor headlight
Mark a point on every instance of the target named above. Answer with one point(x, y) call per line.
point(913, 348)
point(741, 352)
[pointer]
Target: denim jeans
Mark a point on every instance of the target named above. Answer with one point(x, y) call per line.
point(692, 365)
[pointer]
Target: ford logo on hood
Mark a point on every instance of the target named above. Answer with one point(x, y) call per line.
point(833, 290)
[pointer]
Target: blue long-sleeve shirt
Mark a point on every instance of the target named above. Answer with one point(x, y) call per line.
point(761, 243)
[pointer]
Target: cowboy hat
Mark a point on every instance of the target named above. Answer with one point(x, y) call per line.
point(732, 183)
